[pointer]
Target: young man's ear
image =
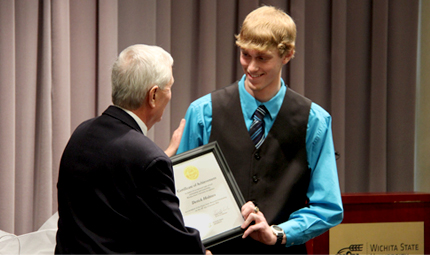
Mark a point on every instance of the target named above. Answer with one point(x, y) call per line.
point(152, 96)
point(288, 57)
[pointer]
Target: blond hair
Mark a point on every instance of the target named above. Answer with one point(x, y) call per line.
point(266, 28)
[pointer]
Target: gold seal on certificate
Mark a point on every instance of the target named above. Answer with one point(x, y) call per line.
point(191, 172)
point(210, 199)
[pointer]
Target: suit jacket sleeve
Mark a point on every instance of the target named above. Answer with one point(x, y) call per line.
point(156, 192)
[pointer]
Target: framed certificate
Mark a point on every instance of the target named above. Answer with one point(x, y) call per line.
point(209, 197)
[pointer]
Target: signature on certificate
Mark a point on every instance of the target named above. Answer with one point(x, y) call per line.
point(221, 211)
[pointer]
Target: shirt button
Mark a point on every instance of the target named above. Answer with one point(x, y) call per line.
point(254, 178)
point(257, 156)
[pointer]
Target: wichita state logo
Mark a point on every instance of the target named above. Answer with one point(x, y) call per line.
point(353, 249)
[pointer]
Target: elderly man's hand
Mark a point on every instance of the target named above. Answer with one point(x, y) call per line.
point(176, 139)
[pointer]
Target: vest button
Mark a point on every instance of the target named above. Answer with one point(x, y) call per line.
point(257, 156)
point(254, 178)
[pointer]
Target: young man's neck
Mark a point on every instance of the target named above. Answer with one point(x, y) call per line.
point(265, 94)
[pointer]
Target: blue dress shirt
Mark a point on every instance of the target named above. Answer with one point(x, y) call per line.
point(325, 208)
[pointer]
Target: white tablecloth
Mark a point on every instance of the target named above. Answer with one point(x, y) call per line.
point(41, 241)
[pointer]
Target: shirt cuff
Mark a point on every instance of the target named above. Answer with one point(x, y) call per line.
point(292, 231)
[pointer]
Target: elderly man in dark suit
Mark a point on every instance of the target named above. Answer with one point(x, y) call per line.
point(115, 189)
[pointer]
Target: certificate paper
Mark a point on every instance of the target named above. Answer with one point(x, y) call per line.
point(209, 198)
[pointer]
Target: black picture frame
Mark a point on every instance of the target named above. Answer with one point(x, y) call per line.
point(214, 148)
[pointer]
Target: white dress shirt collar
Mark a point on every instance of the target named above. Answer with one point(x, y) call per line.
point(137, 119)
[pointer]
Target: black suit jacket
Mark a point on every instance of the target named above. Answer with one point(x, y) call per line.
point(116, 192)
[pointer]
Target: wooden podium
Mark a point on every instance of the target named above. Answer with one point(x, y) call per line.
point(378, 208)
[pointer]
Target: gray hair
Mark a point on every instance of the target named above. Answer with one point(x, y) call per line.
point(137, 69)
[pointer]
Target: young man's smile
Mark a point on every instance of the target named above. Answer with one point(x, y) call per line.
point(263, 72)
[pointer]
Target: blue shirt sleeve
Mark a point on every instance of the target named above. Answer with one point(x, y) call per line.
point(325, 208)
point(198, 124)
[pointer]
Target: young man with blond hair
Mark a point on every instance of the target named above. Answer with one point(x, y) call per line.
point(277, 143)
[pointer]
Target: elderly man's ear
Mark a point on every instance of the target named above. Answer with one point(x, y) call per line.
point(152, 96)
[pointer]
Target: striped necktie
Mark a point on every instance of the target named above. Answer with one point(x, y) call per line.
point(256, 131)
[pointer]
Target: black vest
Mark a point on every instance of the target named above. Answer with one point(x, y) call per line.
point(275, 176)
